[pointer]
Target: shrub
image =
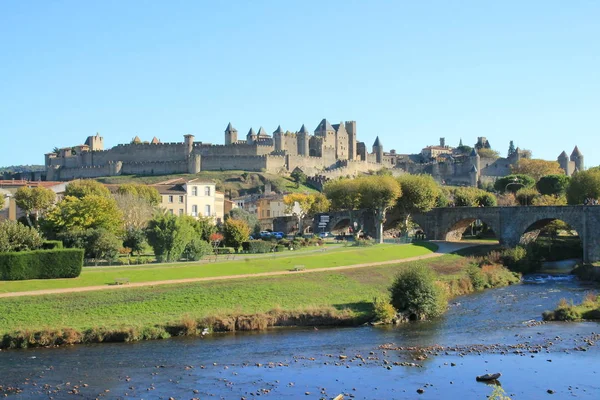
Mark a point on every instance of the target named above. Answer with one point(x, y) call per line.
point(477, 277)
point(135, 239)
point(236, 232)
point(196, 249)
point(15, 236)
point(384, 311)
point(225, 250)
point(52, 244)
point(41, 264)
point(257, 246)
point(515, 258)
point(416, 294)
point(279, 248)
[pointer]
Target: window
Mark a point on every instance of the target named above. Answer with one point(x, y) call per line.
point(194, 190)
point(180, 212)
point(171, 211)
point(268, 213)
point(170, 199)
point(207, 210)
point(207, 191)
point(181, 199)
point(194, 210)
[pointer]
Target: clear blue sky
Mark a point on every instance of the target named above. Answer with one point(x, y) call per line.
point(410, 72)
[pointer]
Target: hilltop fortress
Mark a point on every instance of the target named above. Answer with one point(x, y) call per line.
point(331, 151)
point(331, 147)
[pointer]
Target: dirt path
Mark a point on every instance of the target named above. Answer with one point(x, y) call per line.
point(444, 248)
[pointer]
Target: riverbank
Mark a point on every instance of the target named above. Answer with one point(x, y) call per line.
point(332, 298)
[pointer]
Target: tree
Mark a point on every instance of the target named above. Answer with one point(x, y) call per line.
point(553, 185)
point(379, 193)
point(101, 244)
point(169, 235)
point(196, 249)
point(514, 182)
point(148, 193)
point(203, 226)
point(137, 211)
point(236, 232)
point(135, 239)
point(86, 187)
point(549, 200)
point(488, 153)
point(416, 293)
point(35, 200)
point(15, 236)
point(420, 193)
point(584, 185)
point(466, 197)
point(525, 196)
point(302, 205)
point(89, 212)
point(250, 219)
point(298, 176)
point(344, 195)
point(486, 199)
point(536, 168)
point(511, 149)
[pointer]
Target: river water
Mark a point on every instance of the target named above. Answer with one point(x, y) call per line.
point(493, 331)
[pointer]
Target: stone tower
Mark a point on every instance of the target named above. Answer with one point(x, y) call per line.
point(230, 135)
point(96, 142)
point(278, 138)
point(577, 158)
point(188, 140)
point(341, 142)
point(563, 161)
point(302, 137)
point(351, 129)
point(378, 150)
point(251, 136)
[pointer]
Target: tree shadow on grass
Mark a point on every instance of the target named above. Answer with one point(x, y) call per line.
point(363, 307)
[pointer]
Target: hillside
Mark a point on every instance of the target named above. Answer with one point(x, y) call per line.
point(238, 182)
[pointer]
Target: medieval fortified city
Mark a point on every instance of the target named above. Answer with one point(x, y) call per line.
point(442, 244)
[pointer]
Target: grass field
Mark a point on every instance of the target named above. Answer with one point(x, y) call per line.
point(352, 289)
point(94, 276)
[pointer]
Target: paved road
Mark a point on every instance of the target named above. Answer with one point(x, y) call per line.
point(443, 248)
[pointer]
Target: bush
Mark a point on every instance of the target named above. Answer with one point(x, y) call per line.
point(279, 248)
point(257, 246)
point(477, 277)
point(135, 239)
point(416, 293)
point(384, 311)
point(521, 259)
point(196, 249)
point(225, 250)
point(41, 264)
point(15, 236)
point(52, 244)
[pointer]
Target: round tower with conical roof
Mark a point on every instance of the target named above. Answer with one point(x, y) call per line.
point(303, 138)
point(230, 135)
point(378, 150)
point(577, 158)
point(278, 139)
point(251, 136)
point(563, 161)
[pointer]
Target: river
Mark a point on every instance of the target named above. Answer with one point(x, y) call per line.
point(493, 331)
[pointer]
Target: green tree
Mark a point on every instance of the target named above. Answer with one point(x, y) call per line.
point(344, 195)
point(584, 185)
point(15, 236)
point(102, 244)
point(379, 193)
point(302, 205)
point(420, 193)
point(148, 193)
point(526, 196)
point(553, 185)
point(88, 212)
point(203, 226)
point(549, 200)
point(416, 294)
point(169, 235)
point(35, 200)
point(488, 153)
point(466, 197)
point(137, 211)
point(511, 149)
point(86, 187)
point(196, 249)
point(486, 199)
point(135, 239)
point(512, 183)
point(298, 176)
point(236, 232)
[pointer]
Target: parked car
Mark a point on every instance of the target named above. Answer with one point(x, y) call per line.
point(324, 235)
point(265, 234)
point(278, 235)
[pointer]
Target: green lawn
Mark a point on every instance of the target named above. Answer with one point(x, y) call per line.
point(93, 276)
point(353, 289)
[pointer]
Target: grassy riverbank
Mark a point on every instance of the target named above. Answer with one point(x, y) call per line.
point(96, 276)
point(589, 309)
point(320, 298)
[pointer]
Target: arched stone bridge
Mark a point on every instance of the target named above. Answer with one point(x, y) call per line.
point(510, 223)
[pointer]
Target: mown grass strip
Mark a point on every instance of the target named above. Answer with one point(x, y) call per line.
point(147, 273)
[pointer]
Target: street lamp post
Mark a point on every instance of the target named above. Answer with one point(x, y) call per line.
point(515, 181)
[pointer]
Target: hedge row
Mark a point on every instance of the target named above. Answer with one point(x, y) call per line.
point(257, 246)
point(41, 264)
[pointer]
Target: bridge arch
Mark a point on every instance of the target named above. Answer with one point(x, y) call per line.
point(456, 227)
